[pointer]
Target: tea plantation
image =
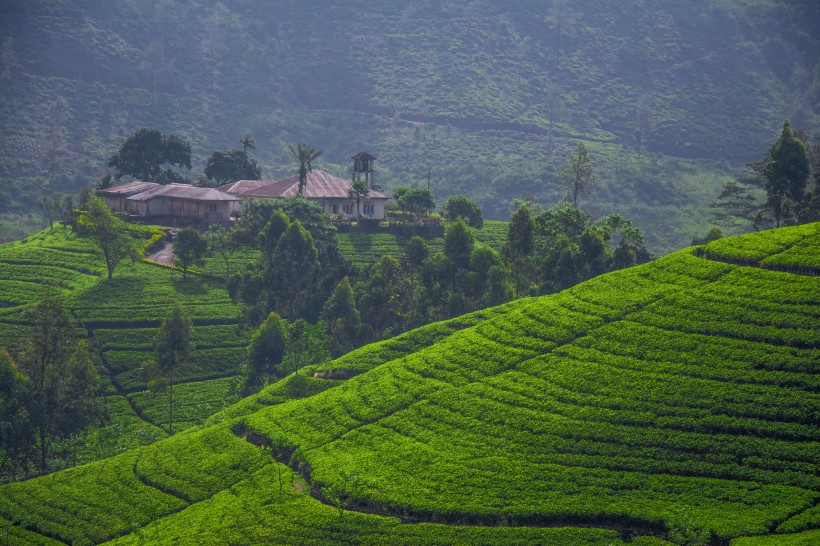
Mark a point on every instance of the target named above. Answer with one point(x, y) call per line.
point(121, 316)
point(676, 401)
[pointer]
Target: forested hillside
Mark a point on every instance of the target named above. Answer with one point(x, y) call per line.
point(670, 403)
point(486, 98)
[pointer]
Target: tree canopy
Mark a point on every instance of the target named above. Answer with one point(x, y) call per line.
point(787, 173)
point(110, 234)
point(231, 165)
point(577, 174)
point(304, 155)
point(145, 155)
point(459, 206)
point(172, 345)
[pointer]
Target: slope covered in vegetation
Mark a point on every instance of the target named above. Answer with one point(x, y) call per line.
point(485, 98)
point(675, 400)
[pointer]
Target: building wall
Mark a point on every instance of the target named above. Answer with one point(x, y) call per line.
point(347, 207)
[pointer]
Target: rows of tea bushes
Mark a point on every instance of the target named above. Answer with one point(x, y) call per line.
point(610, 405)
point(363, 249)
point(711, 404)
point(763, 247)
point(122, 316)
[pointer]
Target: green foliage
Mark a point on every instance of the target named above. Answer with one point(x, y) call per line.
point(459, 206)
point(418, 202)
point(577, 174)
point(341, 319)
point(189, 248)
point(110, 234)
point(787, 173)
point(172, 346)
point(266, 350)
point(231, 165)
point(304, 155)
point(16, 431)
point(144, 154)
point(676, 398)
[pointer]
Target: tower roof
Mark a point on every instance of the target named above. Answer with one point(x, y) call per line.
point(363, 155)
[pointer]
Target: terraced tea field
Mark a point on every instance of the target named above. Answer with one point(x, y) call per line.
point(363, 249)
point(681, 395)
point(122, 316)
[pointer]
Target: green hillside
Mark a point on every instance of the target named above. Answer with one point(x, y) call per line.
point(485, 98)
point(121, 317)
point(674, 400)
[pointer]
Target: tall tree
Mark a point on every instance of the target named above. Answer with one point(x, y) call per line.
point(17, 438)
point(296, 265)
point(172, 345)
point(144, 154)
point(459, 206)
point(787, 173)
point(304, 155)
point(61, 376)
point(577, 174)
point(189, 248)
point(417, 202)
point(231, 165)
point(110, 234)
point(306, 345)
point(520, 243)
point(266, 350)
point(358, 191)
point(221, 241)
point(248, 143)
point(341, 319)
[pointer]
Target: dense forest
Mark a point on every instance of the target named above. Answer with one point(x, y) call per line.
point(484, 99)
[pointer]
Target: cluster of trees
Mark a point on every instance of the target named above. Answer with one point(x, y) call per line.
point(781, 189)
point(150, 156)
point(302, 281)
point(49, 393)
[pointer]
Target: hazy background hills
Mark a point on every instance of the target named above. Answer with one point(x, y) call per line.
point(486, 98)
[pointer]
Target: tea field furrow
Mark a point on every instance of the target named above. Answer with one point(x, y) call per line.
point(802, 258)
point(109, 485)
point(766, 286)
point(784, 365)
point(595, 383)
point(579, 425)
point(754, 247)
point(199, 465)
point(689, 323)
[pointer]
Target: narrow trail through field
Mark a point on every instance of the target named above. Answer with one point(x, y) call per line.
point(165, 255)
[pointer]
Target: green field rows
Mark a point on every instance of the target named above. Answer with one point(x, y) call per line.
point(685, 390)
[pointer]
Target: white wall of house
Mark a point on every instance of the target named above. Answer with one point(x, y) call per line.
point(368, 208)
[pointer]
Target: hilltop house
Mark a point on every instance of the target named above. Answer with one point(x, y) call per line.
point(332, 193)
point(174, 201)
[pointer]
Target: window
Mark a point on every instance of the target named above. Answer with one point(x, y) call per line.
point(212, 207)
point(369, 209)
point(347, 208)
point(335, 208)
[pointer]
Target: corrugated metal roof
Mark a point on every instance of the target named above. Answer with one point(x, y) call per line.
point(239, 186)
point(319, 185)
point(184, 191)
point(130, 188)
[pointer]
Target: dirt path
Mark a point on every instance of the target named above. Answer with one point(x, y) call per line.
point(165, 255)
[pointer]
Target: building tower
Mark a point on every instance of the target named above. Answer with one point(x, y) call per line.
point(363, 169)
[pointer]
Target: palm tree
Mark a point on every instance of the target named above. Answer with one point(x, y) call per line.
point(358, 190)
point(303, 154)
point(248, 143)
